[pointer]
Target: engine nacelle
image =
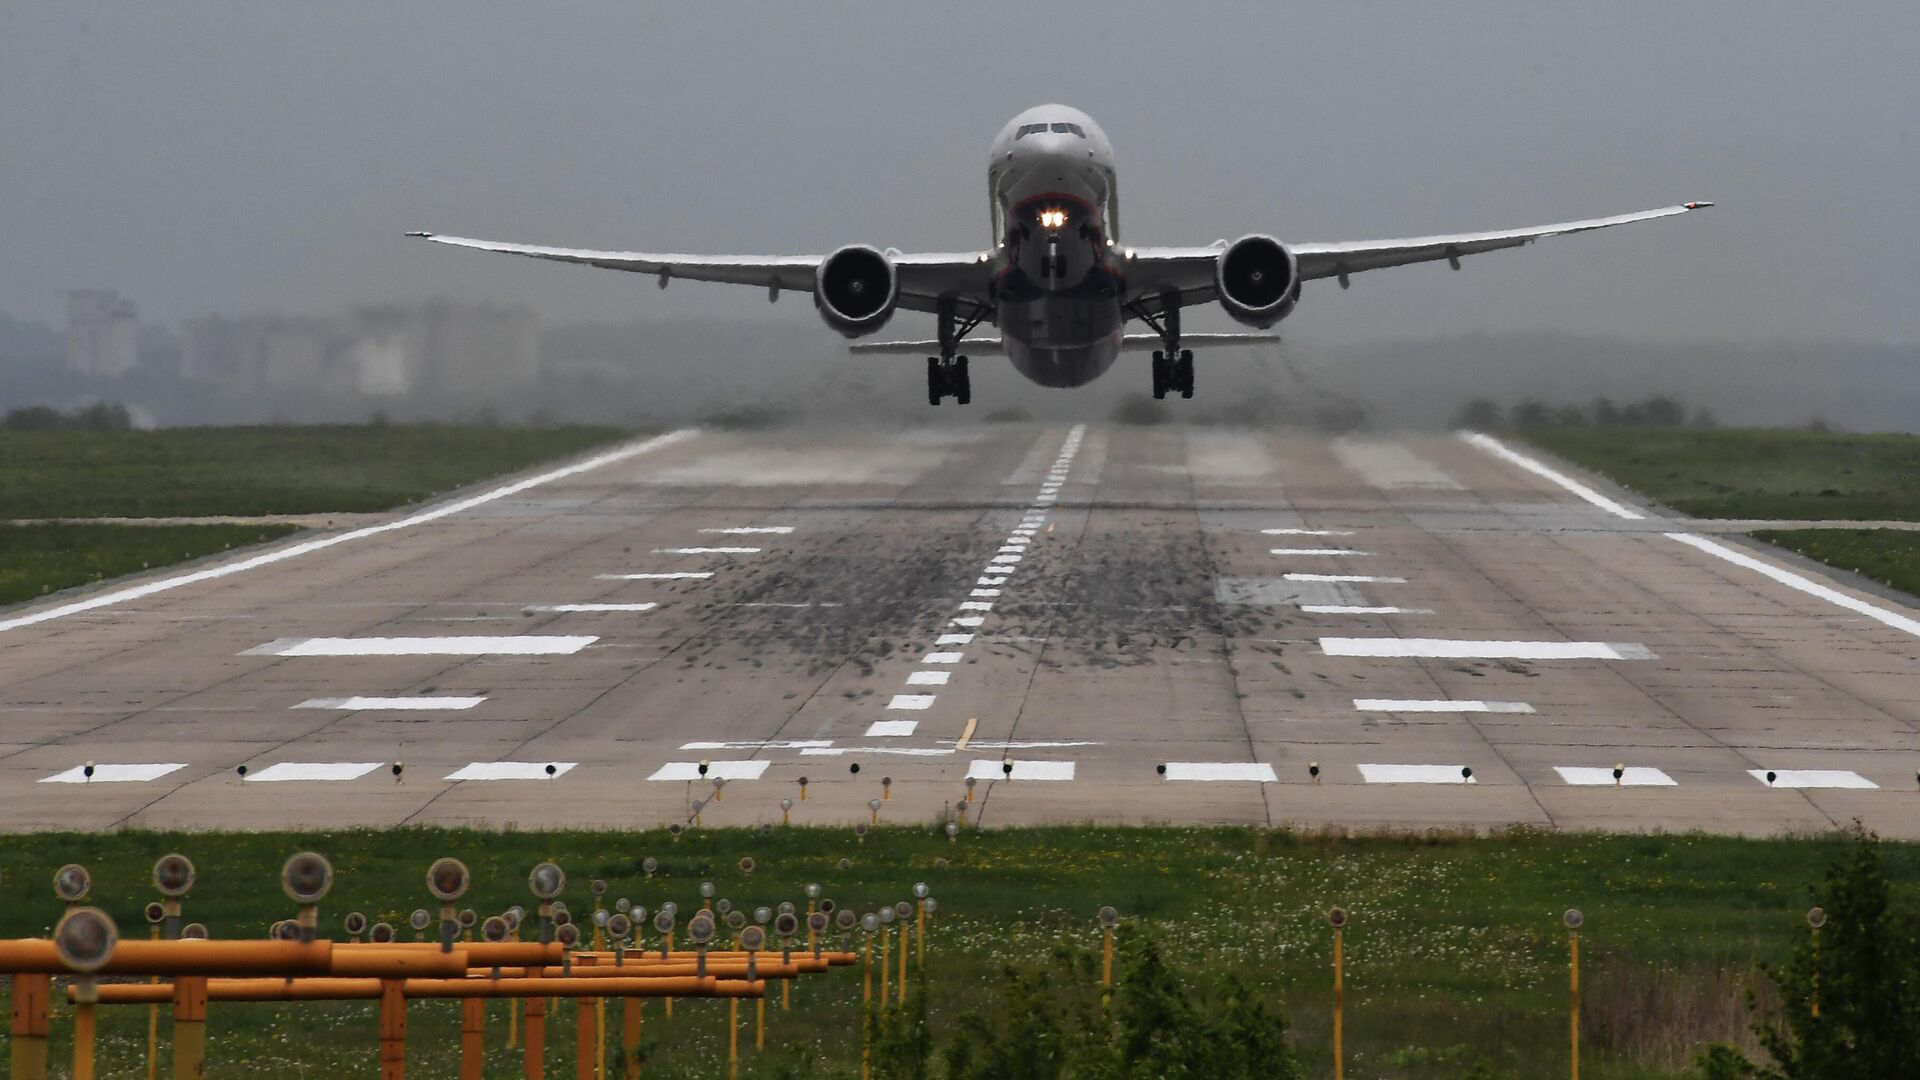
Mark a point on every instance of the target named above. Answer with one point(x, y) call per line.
point(1258, 280)
point(856, 290)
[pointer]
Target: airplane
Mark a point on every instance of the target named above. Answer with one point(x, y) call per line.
point(1058, 282)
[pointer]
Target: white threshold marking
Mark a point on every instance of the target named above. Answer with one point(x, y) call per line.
point(757, 744)
point(523, 645)
point(929, 678)
point(716, 770)
point(115, 774)
point(1356, 579)
point(678, 575)
point(1316, 551)
point(1006, 559)
point(1307, 532)
point(357, 704)
point(1360, 609)
point(990, 769)
point(1003, 744)
point(592, 607)
point(137, 592)
point(512, 770)
point(891, 728)
point(954, 639)
point(1012, 548)
point(1250, 771)
point(1439, 705)
point(312, 770)
point(1414, 774)
point(752, 530)
point(1500, 450)
point(976, 605)
point(903, 751)
point(1813, 778)
point(968, 620)
point(986, 592)
point(1631, 776)
point(942, 658)
point(1445, 648)
point(708, 551)
point(1803, 584)
point(992, 582)
point(911, 702)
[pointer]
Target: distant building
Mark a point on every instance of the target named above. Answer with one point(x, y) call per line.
point(103, 333)
point(480, 354)
point(265, 353)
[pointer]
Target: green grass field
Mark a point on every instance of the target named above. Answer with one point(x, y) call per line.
point(197, 472)
point(1455, 955)
point(1746, 473)
point(38, 559)
point(1888, 556)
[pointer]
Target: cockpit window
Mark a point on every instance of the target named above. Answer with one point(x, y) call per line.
point(1029, 129)
point(1060, 127)
point(1069, 129)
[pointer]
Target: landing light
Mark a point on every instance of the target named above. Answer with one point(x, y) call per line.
point(1053, 219)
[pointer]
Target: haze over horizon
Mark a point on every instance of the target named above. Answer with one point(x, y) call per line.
point(201, 157)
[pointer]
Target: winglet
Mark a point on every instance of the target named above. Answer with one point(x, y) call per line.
point(429, 236)
point(1696, 205)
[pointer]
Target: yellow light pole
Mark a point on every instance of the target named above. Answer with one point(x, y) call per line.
point(1573, 919)
point(885, 915)
point(1816, 918)
point(85, 940)
point(1337, 917)
point(870, 923)
point(903, 911)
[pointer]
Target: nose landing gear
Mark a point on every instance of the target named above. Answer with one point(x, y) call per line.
point(948, 378)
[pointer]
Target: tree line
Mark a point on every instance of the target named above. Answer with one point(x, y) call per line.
point(1531, 414)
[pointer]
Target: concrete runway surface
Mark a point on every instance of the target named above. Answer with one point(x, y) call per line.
point(1087, 603)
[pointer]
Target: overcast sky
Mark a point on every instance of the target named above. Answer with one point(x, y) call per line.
point(234, 156)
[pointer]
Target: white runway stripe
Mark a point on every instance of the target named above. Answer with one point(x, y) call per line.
point(512, 770)
point(526, 645)
point(986, 592)
point(891, 728)
point(942, 658)
point(1443, 648)
point(901, 751)
point(358, 704)
point(1414, 774)
point(967, 620)
point(1500, 450)
point(592, 607)
point(1409, 705)
point(1632, 776)
point(115, 774)
point(757, 744)
point(312, 770)
point(1356, 579)
point(976, 605)
point(680, 575)
point(1813, 778)
point(292, 551)
point(1250, 771)
point(1316, 551)
point(1361, 609)
point(708, 551)
point(1803, 584)
point(1307, 532)
point(911, 702)
point(990, 769)
point(954, 639)
point(929, 678)
point(752, 530)
point(716, 770)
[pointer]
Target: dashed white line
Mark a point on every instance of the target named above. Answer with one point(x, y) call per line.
point(1307, 532)
point(911, 702)
point(360, 704)
point(1355, 579)
point(708, 551)
point(967, 620)
point(976, 605)
point(752, 530)
point(521, 645)
point(1447, 648)
point(680, 575)
point(591, 607)
point(1407, 705)
point(891, 728)
point(1361, 609)
point(942, 658)
point(954, 639)
point(929, 678)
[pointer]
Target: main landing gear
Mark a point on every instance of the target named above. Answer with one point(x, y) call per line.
point(1173, 366)
point(947, 373)
point(948, 378)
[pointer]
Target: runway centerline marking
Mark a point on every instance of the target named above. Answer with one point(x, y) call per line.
point(678, 575)
point(954, 639)
point(512, 770)
point(524, 645)
point(1447, 648)
point(708, 551)
point(1813, 778)
point(976, 605)
point(912, 702)
point(294, 771)
point(752, 530)
point(1414, 774)
point(1307, 532)
point(360, 704)
point(1356, 579)
point(1360, 609)
point(968, 620)
point(942, 658)
point(1316, 551)
point(1631, 776)
point(749, 769)
point(137, 592)
point(1407, 705)
point(115, 774)
point(929, 678)
point(591, 607)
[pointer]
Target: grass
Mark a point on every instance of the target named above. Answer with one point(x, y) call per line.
point(1888, 556)
point(1753, 473)
point(38, 559)
point(1455, 954)
point(197, 472)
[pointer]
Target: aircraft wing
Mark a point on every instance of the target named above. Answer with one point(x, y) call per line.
point(1189, 271)
point(924, 276)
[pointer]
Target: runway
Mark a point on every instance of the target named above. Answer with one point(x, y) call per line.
point(1095, 623)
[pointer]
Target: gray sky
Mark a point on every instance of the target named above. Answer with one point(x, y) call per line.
point(209, 156)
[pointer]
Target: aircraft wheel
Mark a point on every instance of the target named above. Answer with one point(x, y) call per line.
point(935, 389)
point(1161, 375)
point(962, 385)
point(1184, 373)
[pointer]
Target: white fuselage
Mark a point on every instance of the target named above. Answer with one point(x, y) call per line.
point(1058, 279)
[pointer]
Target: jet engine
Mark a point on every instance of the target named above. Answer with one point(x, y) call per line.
point(856, 290)
point(1258, 280)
